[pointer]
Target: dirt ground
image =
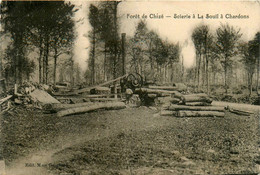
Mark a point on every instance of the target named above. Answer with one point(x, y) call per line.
point(128, 141)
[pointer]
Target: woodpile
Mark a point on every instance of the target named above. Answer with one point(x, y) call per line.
point(190, 105)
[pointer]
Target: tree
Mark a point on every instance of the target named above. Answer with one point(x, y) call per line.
point(254, 50)
point(53, 31)
point(197, 40)
point(249, 61)
point(16, 23)
point(41, 27)
point(93, 20)
point(63, 33)
point(227, 42)
point(203, 39)
point(106, 26)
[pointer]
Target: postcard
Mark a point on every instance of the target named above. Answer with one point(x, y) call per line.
point(129, 87)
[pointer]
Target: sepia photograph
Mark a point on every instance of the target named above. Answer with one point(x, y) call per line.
point(129, 87)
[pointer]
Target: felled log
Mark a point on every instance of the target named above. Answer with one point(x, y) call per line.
point(196, 108)
point(167, 113)
point(183, 113)
point(197, 104)
point(156, 91)
point(239, 111)
point(103, 99)
point(164, 99)
point(55, 107)
point(169, 88)
point(152, 95)
point(93, 107)
point(175, 100)
point(177, 95)
point(100, 90)
point(197, 95)
point(98, 96)
point(196, 98)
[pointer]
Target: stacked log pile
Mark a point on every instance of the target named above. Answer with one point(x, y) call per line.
point(192, 105)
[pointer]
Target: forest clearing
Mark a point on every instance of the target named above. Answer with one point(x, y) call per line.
point(102, 88)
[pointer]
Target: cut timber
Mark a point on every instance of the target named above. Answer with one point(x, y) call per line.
point(200, 114)
point(100, 90)
point(175, 100)
point(196, 98)
point(98, 96)
point(93, 107)
point(164, 99)
point(152, 95)
point(103, 84)
point(197, 104)
point(156, 91)
point(5, 99)
point(197, 95)
point(169, 88)
point(59, 106)
point(177, 95)
point(42, 96)
point(196, 108)
point(239, 111)
point(103, 99)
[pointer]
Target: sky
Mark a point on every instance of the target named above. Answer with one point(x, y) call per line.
point(170, 28)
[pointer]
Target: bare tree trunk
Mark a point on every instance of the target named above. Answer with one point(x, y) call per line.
point(207, 73)
point(115, 38)
point(172, 73)
point(199, 72)
point(250, 80)
point(93, 56)
point(196, 70)
point(40, 64)
point(55, 65)
point(72, 72)
point(105, 63)
point(225, 75)
point(257, 76)
point(46, 59)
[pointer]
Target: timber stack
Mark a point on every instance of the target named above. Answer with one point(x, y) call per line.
point(192, 105)
point(177, 101)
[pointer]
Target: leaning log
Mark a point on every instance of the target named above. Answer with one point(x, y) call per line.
point(196, 108)
point(5, 99)
point(103, 84)
point(200, 114)
point(93, 107)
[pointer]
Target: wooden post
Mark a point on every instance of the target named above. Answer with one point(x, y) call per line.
point(123, 53)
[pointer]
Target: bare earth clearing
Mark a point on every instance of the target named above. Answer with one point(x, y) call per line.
point(129, 141)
